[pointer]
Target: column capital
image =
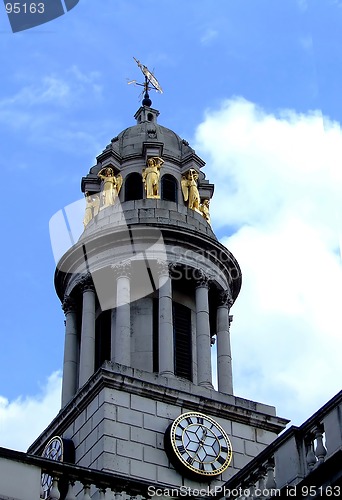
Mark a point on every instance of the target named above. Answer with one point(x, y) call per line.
point(86, 283)
point(225, 298)
point(201, 278)
point(122, 269)
point(68, 304)
point(165, 268)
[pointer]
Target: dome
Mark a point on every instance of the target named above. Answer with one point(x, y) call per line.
point(130, 142)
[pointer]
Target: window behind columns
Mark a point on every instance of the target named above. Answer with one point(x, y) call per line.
point(102, 338)
point(169, 188)
point(182, 341)
point(133, 187)
point(155, 335)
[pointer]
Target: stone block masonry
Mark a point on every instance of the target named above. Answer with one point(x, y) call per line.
point(118, 420)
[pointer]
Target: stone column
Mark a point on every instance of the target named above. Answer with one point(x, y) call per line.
point(203, 331)
point(70, 364)
point(87, 351)
point(165, 326)
point(224, 357)
point(122, 337)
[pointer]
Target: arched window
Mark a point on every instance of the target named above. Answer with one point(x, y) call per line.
point(169, 188)
point(133, 187)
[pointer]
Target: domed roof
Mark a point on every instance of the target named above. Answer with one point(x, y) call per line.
point(146, 137)
point(130, 141)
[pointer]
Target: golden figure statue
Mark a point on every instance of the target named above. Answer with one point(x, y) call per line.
point(204, 209)
point(151, 175)
point(111, 186)
point(92, 207)
point(190, 190)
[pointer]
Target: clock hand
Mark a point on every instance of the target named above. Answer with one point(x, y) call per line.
point(201, 442)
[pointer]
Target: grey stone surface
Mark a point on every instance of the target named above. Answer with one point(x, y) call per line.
point(243, 430)
point(18, 480)
point(129, 416)
point(143, 436)
point(130, 450)
point(143, 469)
point(333, 426)
point(142, 404)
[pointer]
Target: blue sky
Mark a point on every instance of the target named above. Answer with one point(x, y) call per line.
point(254, 86)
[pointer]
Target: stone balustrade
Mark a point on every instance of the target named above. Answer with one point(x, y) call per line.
point(301, 458)
point(32, 477)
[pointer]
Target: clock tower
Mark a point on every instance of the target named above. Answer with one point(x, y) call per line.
point(147, 291)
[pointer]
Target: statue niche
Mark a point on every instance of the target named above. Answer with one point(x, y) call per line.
point(92, 207)
point(110, 188)
point(190, 190)
point(151, 175)
point(204, 209)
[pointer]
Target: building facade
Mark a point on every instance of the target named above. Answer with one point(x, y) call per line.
point(146, 292)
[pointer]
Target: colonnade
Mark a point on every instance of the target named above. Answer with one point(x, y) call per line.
point(78, 368)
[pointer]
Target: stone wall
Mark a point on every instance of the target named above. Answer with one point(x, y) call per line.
point(122, 428)
point(149, 212)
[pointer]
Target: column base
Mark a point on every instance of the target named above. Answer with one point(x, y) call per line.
point(167, 374)
point(207, 385)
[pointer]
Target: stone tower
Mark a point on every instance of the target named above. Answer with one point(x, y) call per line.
point(147, 291)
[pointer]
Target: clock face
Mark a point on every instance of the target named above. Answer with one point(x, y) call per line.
point(54, 450)
point(198, 444)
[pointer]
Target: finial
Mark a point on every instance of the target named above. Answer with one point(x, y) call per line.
point(151, 83)
point(146, 101)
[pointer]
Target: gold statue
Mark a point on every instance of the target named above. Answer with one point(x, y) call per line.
point(92, 207)
point(111, 186)
point(190, 190)
point(151, 175)
point(204, 209)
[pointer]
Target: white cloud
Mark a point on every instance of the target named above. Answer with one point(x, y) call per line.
point(39, 105)
point(23, 419)
point(277, 202)
point(49, 89)
point(208, 36)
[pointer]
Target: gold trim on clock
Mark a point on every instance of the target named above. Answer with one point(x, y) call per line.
point(200, 444)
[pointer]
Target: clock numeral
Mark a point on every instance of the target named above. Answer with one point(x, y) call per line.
point(200, 420)
point(188, 419)
point(220, 436)
point(224, 449)
point(221, 460)
point(201, 466)
point(190, 460)
point(213, 467)
point(181, 449)
point(178, 438)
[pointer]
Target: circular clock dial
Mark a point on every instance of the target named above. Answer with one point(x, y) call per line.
point(199, 444)
point(54, 451)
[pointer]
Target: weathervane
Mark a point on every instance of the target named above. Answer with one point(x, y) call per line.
point(151, 83)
